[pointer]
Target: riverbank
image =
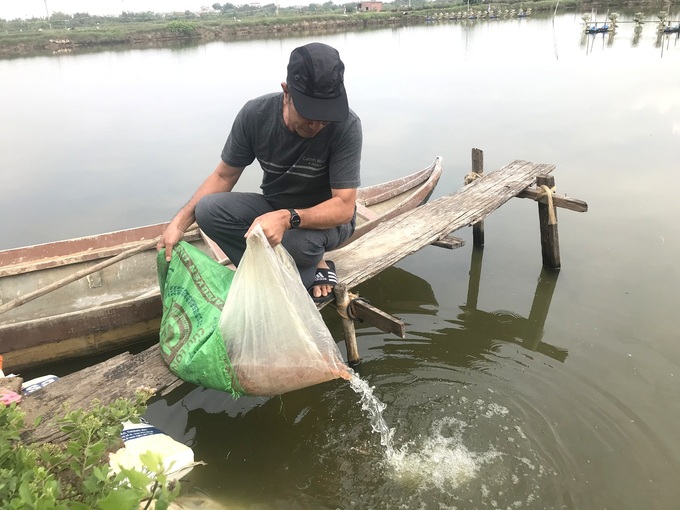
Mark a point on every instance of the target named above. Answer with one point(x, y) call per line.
point(60, 34)
point(153, 34)
point(63, 35)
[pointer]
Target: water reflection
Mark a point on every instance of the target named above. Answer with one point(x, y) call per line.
point(475, 332)
point(400, 292)
point(489, 327)
point(663, 40)
point(637, 32)
point(589, 40)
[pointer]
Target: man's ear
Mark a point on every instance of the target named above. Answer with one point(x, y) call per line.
point(284, 87)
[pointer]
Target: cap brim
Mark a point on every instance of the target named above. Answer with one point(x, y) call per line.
point(329, 110)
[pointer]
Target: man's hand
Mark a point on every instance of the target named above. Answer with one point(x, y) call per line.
point(171, 236)
point(274, 224)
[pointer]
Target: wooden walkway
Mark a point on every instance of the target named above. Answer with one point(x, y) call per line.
point(399, 237)
point(369, 255)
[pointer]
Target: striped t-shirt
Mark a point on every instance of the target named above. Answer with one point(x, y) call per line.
point(298, 172)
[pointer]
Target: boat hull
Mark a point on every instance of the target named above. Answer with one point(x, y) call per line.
point(119, 305)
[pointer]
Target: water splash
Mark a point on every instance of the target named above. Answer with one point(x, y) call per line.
point(442, 461)
point(374, 408)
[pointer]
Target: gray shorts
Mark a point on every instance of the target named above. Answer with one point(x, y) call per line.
point(226, 217)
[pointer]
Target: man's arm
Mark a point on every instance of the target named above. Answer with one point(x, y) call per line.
point(223, 178)
point(337, 210)
point(331, 213)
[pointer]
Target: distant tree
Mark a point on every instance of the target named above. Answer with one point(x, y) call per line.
point(59, 16)
point(217, 7)
point(228, 8)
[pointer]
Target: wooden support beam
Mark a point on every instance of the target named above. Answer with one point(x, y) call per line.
point(478, 168)
point(375, 317)
point(449, 242)
point(362, 311)
point(572, 204)
point(366, 213)
point(550, 243)
point(349, 308)
point(343, 302)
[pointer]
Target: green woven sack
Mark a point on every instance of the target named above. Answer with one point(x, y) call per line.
point(193, 290)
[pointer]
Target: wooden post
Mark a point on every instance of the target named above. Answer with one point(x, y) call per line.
point(478, 168)
point(550, 243)
point(342, 299)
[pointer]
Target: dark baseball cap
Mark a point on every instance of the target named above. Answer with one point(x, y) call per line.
point(315, 81)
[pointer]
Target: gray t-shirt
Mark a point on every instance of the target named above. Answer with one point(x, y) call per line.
point(298, 172)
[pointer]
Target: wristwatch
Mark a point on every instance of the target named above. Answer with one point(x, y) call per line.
point(294, 218)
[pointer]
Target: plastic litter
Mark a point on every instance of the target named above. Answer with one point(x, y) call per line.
point(139, 438)
point(8, 397)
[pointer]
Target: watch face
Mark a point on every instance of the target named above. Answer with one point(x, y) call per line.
point(294, 219)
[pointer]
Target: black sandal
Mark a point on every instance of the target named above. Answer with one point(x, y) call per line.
point(324, 276)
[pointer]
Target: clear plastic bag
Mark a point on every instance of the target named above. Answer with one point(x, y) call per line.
point(275, 336)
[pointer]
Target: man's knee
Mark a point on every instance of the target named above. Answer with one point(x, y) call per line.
point(203, 213)
point(306, 250)
point(214, 212)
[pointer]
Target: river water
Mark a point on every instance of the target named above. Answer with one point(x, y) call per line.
point(515, 387)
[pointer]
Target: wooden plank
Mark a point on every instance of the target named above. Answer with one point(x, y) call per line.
point(366, 213)
point(117, 377)
point(572, 204)
point(399, 237)
point(449, 242)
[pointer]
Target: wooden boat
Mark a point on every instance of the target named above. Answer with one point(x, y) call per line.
point(118, 305)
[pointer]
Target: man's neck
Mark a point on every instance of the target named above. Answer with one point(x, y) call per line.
point(286, 113)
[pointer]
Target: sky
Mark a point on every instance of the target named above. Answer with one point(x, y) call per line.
point(12, 9)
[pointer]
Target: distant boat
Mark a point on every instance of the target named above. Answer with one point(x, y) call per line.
point(597, 30)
